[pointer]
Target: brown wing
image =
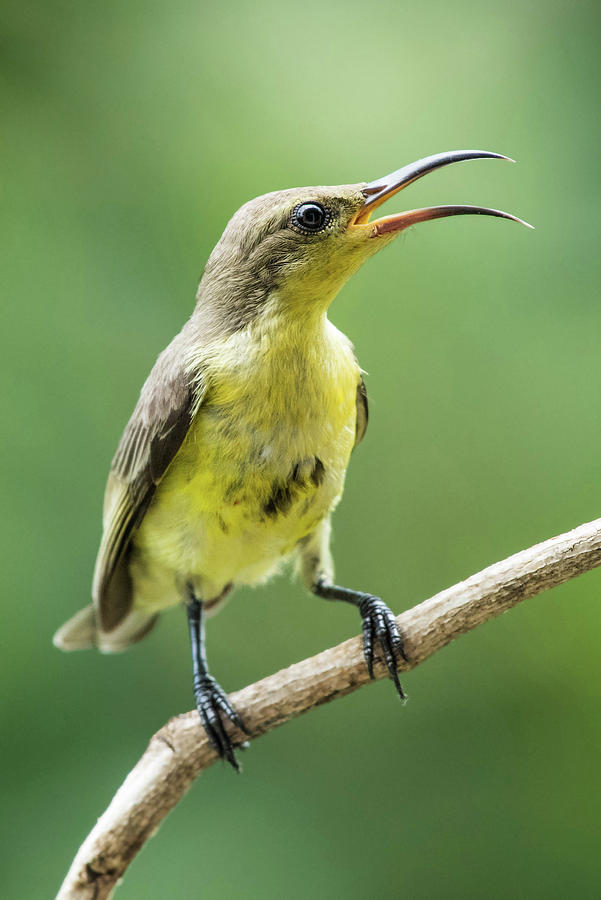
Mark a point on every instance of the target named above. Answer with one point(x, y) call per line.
point(151, 439)
point(362, 413)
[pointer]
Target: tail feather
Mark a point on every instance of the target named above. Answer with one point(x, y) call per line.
point(81, 632)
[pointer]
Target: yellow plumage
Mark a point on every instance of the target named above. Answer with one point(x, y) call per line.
point(277, 399)
point(236, 452)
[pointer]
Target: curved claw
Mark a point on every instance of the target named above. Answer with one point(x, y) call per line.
point(380, 623)
point(212, 704)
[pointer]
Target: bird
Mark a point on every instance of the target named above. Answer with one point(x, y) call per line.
point(236, 453)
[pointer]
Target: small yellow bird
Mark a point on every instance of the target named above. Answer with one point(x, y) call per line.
point(236, 453)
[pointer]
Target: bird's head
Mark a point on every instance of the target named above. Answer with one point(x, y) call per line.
point(296, 248)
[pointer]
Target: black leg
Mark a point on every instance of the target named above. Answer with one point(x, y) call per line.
point(378, 624)
point(211, 701)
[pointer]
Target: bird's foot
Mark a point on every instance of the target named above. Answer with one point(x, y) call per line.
point(379, 624)
point(213, 705)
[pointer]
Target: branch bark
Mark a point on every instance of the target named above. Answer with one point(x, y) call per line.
point(180, 751)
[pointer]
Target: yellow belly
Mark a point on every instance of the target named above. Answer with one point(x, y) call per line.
point(263, 463)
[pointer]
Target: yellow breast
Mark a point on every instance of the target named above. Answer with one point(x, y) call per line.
point(264, 460)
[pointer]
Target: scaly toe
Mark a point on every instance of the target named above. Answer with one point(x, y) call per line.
point(212, 704)
point(380, 623)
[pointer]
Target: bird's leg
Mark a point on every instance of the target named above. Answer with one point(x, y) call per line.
point(211, 701)
point(379, 624)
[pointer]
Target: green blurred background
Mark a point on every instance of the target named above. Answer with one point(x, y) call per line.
point(135, 130)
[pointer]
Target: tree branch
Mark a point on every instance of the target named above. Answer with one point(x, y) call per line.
point(180, 750)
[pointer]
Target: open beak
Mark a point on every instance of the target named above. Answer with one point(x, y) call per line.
point(376, 192)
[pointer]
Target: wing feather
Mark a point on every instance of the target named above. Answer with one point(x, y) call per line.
point(149, 443)
point(362, 412)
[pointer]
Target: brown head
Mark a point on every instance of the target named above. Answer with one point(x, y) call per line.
point(301, 245)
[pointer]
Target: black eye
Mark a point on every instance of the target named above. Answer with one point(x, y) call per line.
point(310, 217)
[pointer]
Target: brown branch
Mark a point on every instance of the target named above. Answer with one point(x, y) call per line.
point(180, 750)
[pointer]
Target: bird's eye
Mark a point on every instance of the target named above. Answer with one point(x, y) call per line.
point(310, 217)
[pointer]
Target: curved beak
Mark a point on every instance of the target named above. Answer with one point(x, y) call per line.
point(376, 192)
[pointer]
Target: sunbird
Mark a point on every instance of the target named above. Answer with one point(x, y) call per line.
point(236, 453)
